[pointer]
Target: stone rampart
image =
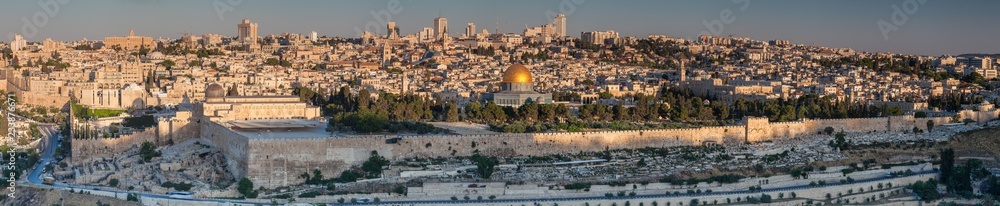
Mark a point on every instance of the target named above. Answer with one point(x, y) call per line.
point(87, 149)
point(234, 146)
point(177, 129)
point(274, 161)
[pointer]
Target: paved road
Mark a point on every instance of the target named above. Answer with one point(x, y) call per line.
point(48, 145)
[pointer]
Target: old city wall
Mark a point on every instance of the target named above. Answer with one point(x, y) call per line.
point(233, 145)
point(921, 123)
point(43, 100)
point(561, 143)
point(278, 162)
point(177, 130)
point(86, 149)
point(273, 162)
point(854, 124)
point(980, 116)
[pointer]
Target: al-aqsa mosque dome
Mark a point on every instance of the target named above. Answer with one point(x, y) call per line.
point(214, 91)
point(516, 88)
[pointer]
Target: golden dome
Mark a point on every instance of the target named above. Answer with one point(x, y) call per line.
point(517, 74)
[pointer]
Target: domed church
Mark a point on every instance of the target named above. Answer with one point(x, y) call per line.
point(517, 88)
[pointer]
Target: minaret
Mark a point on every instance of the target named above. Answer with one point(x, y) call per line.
point(683, 72)
point(131, 32)
point(406, 85)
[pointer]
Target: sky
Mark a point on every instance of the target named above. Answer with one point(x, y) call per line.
point(924, 27)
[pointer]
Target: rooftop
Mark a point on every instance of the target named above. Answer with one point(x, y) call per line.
point(279, 128)
point(273, 124)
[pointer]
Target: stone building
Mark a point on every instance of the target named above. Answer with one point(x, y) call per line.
point(221, 108)
point(130, 42)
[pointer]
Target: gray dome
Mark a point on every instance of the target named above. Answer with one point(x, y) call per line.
point(215, 91)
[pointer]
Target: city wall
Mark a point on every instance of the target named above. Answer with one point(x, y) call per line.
point(233, 145)
point(86, 149)
point(42, 100)
point(167, 130)
point(177, 129)
point(274, 162)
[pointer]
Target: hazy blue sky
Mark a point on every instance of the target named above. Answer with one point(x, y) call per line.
point(935, 27)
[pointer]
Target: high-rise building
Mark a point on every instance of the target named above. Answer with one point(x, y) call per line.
point(49, 45)
point(560, 25)
point(392, 31)
point(313, 37)
point(981, 62)
point(470, 30)
point(543, 30)
point(18, 43)
point(247, 31)
point(211, 39)
point(440, 27)
point(426, 35)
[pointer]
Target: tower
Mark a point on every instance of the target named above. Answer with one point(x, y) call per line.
point(405, 82)
point(683, 75)
point(18, 43)
point(247, 31)
point(560, 25)
point(391, 30)
point(440, 27)
point(470, 30)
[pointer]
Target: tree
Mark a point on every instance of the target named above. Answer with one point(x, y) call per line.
point(930, 125)
point(452, 115)
point(369, 122)
point(828, 130)
point(246, 188)
point(947, 164)
point(927, 191)
point(232, 91)
point(113, 182)
point(132, 197)
point(148, 151)
point(373, 167)
point(765, 198)
point(484, 165)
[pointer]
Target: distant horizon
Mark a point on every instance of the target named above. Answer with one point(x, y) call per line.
point(915, 27)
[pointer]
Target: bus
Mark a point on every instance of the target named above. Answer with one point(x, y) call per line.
point(179, 194)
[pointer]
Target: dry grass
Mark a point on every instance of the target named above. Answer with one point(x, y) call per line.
point(883, 156)
point(979, 143)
